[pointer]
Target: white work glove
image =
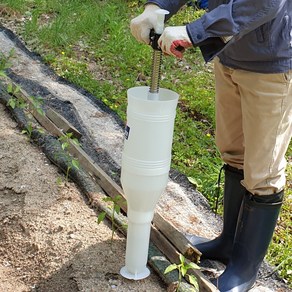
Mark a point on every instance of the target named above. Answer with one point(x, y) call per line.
point(174, 40)
point(142, 24)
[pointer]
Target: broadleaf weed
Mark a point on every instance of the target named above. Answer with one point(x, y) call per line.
point(72, 163)
point(116, 209)
point(183, 267)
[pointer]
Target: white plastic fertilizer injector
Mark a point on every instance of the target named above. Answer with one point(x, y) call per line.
point(145, 167)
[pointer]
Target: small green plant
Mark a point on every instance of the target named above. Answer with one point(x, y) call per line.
point(37, 102)
point(5, 62)
point(17, 101)
point(116, 209)
point(71, 161)
point(183, 268)
point(66, 139)
point(28, 130)
point(13, 89)
point(59, 181)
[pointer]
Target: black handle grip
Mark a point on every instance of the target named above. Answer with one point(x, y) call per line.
point(154, 40)
point(154, 37)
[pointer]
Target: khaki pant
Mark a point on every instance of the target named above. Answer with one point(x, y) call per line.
point(254, 125)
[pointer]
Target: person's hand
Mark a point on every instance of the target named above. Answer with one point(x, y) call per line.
point(142, 24)
point(174, 40)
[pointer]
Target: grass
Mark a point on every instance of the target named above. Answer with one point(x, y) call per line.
point(89, 43)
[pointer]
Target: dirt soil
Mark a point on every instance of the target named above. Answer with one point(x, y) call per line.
point(49, 238)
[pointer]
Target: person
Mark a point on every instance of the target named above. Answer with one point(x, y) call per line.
point(250, 43)
point(199, 4)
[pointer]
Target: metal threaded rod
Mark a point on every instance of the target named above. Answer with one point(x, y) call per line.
point(156, 71)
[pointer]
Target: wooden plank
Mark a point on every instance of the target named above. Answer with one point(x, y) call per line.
point(178, 239)
point(204, 284)
point(62, 123)
point(164, 245)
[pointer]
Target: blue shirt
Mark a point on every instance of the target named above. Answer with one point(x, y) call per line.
point(254, 35)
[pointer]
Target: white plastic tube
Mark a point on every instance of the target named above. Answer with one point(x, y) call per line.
point(145, 167)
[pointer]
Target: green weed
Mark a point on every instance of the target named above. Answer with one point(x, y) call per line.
point(72, 163)
point(28, 130)
point(5, 62)
point(116, 209)
point(183, 268)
